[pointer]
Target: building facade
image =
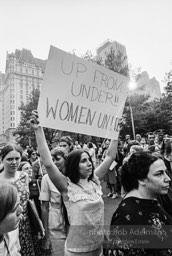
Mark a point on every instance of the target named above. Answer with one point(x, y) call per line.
point(147, 86)
point(23, 73)
point(106, 47)
point(144, 84)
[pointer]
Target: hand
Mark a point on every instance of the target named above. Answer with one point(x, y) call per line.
point(34, 122)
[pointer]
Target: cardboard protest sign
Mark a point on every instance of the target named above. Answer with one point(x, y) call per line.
point(81, 96)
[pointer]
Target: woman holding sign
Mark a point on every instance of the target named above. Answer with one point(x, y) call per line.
point(81, 192)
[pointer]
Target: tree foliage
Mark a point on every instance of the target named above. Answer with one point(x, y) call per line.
point(116, 62)
point(24, 133)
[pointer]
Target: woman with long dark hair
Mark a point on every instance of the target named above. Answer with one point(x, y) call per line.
point(81, 192)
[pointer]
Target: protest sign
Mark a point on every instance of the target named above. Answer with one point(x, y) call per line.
point(80, 96)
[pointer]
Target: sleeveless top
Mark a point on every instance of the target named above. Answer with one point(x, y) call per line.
point(85, 209)
point(50, 193)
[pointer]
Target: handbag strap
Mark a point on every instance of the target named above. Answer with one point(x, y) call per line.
point(38, 185)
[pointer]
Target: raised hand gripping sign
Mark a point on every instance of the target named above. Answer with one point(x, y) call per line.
point(81, 96)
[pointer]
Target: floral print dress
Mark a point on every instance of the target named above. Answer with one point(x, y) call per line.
point(26, 243)
point(140, 227)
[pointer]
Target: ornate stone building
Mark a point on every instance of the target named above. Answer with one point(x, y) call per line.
point(23, 73)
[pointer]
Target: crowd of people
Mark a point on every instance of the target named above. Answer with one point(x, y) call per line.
point(65, 185)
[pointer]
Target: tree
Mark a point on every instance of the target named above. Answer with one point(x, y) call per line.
point(168, 82)
point(116, 62)
point(26, 135)
point(24, 132)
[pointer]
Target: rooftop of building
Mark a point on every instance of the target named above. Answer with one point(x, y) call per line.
point(26, 56)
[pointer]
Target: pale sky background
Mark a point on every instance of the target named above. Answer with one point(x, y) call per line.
point(143, 26)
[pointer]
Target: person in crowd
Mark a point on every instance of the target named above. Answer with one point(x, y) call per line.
point(166, 200)
point(168, 156)
point(32, 156)
point(10, 213)
point(11, 157)
point(159, 144)
point(85, 146)
point(126, 142)
point(38, 171)
point(138, 138)
point(99, 153)
point(67, 143)
point(134, 148)
point(76, 145)
point(81, 192)
point(150, 146)
point(92, 153)
point(144, 177)
point(26, 167)
point(143, 143)
point(119, 160)
point(52, 208)
point(111, 175)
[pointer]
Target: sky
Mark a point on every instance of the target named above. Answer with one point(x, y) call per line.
point(143, 26)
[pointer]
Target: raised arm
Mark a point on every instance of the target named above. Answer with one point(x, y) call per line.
point(59, 180)
point(103, 168)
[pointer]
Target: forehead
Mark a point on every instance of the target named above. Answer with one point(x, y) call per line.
point(84, 155)
point(157, 166)
point(13, 153)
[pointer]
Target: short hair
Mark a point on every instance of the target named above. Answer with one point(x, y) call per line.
point(72, 165)
point(136, 168)
point(59, 151)
point(10, 147)
point(68, 140)
point(8, 199)
point(138, 135)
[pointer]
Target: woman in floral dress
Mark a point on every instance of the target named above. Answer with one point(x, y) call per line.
point(11, 156)
point(140, 226)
